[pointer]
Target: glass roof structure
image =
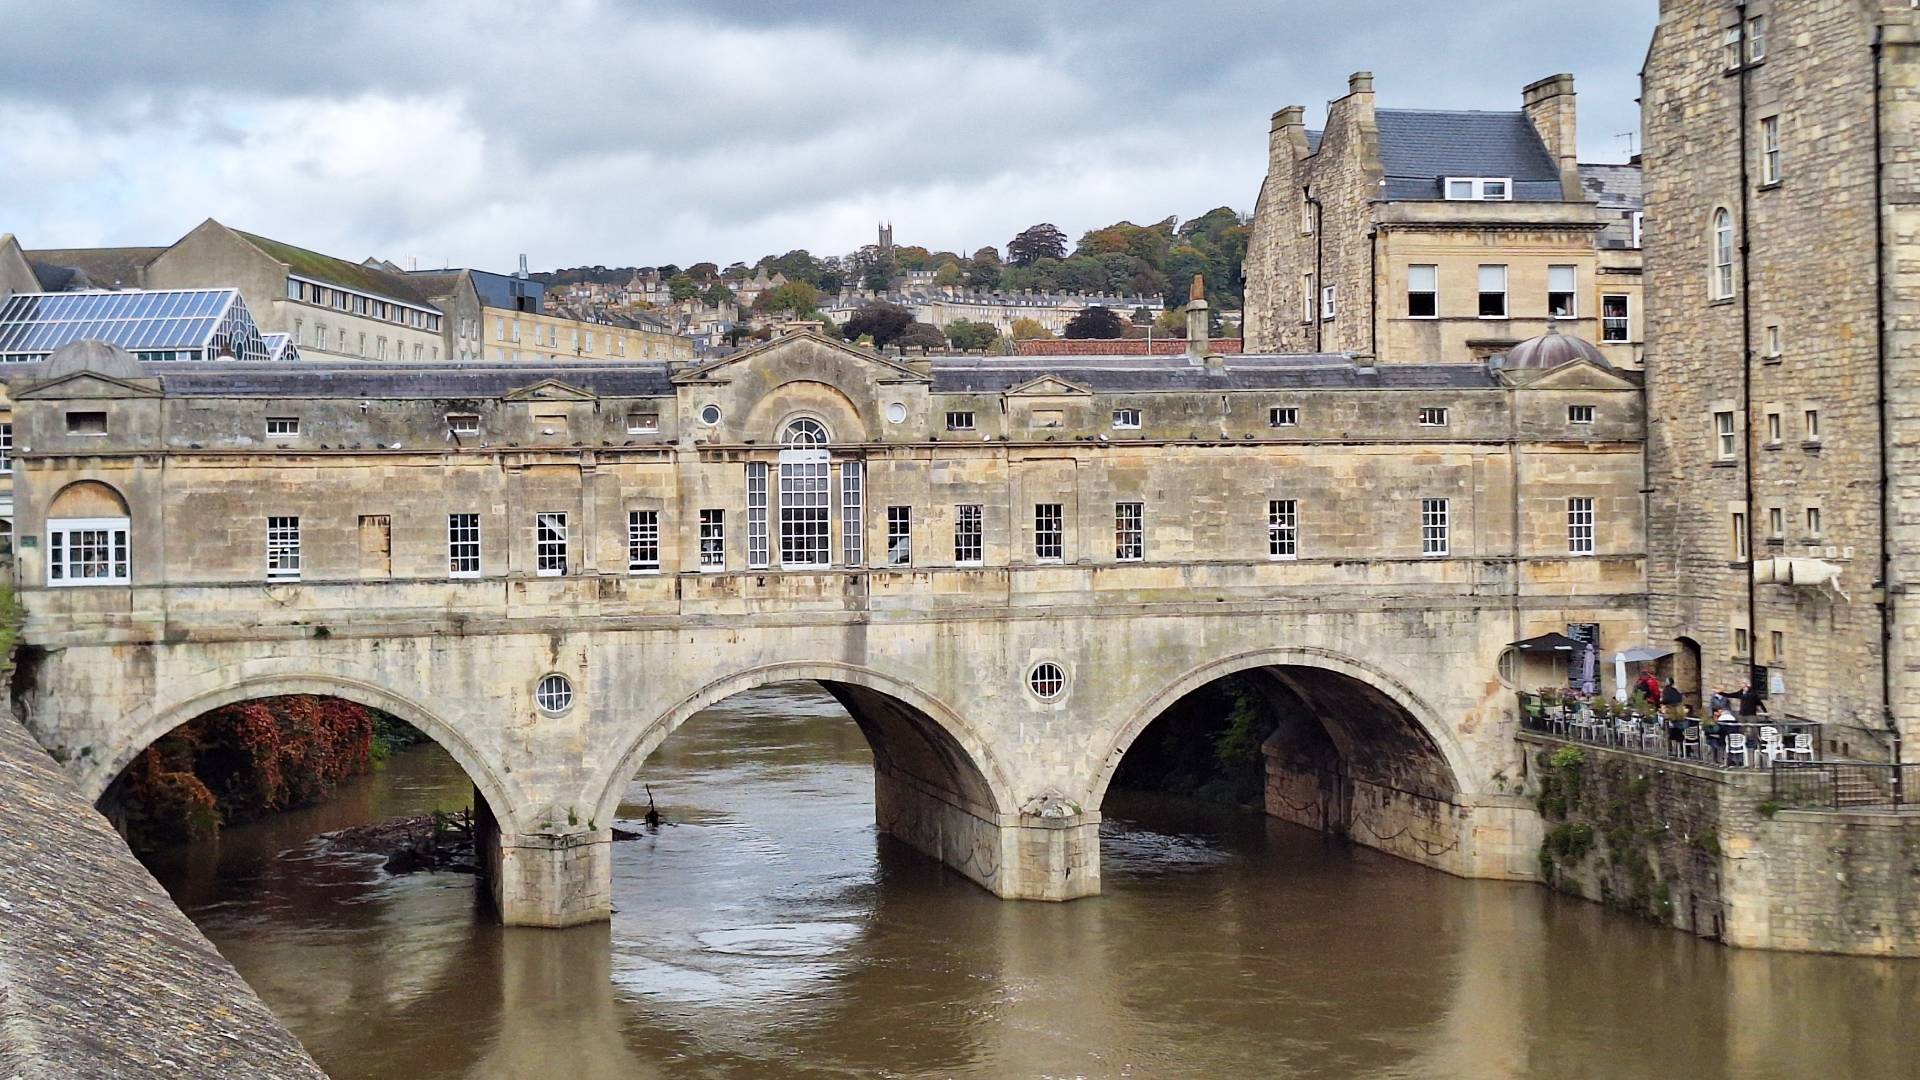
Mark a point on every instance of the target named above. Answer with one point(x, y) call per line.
point(182, 324)
point(280, 347)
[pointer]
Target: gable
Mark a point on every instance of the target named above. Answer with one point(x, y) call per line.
point(86, 384)
point(882, 368)
point(549, 390)
point(1575, 375)
point(1049, 386)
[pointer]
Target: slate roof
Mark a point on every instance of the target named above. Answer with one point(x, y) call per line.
point(331, 271)
point(60, 269)
point(1141, 374)
point(1618, 190)
point(1418, 147)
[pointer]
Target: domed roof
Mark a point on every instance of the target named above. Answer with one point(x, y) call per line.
point(95, 356)
point(1550, 350)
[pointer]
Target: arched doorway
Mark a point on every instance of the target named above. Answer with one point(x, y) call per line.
point(1686, 670)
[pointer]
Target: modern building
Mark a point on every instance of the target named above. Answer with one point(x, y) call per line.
point(1782, 149)
point(1426, 236)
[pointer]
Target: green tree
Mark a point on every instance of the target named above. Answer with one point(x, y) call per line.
point(948, 274)
point(1096, 322)
point(796, 298)
point(966, 335)
point(717, 294)
point(922, 336)
point(1036, 242)
point(681, 287)
point(881, 321)
point(1025, 329)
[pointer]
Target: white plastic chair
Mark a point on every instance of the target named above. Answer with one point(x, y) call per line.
point(1557, 722)
point(1771, 748)
point(1737, 744)
point(1802, 746)
point(1652, 733)
point(1692, 745)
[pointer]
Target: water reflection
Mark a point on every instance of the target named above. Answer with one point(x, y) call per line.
point(766, 930)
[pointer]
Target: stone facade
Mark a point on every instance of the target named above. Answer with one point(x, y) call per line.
point(319, 559)
point(1338, 210)
point(1776, 332)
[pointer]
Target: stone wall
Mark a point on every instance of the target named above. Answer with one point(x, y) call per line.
point(1706, 850)
point(101, 976)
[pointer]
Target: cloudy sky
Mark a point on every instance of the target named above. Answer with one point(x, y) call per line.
point(465, 132)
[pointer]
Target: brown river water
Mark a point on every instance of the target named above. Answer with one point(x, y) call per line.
point(767, 931)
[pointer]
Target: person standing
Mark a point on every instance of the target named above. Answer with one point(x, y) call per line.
point(1750, 702)
point(1671, 695)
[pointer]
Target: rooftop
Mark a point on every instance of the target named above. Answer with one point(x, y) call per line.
point(153, 325)
point(327, 270)
point(1419, 147)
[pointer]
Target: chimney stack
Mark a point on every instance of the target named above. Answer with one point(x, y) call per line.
point(1197, 319)
point(1360, 82)
point(1549, 104)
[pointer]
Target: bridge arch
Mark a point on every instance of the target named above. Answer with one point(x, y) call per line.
point(910, 731)
point(228, 686)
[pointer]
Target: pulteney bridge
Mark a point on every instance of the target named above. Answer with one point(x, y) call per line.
point(1004, 568)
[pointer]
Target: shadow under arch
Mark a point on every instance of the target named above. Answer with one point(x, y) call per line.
point(912, 734)
point(499, 799)
point(1421, 720)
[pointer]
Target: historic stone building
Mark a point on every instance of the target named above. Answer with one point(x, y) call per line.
point(1006, 568)
point(1422, 236)
point(502, 317)
point(1783, 355)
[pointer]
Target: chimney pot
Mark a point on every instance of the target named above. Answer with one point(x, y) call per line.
point(1291, 116)
point(1360, 82)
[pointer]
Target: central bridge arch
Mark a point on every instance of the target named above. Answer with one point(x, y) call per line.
point(938, 786)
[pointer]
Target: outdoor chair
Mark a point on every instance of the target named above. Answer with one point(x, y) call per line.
point(1771, 748)
point(1802, 747)
point(1627, 733)
point(1557, 722)
point(1737, 747)
point(1691, 744)
point(1652, 733)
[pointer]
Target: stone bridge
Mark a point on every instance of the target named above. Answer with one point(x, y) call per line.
point(1004, 573)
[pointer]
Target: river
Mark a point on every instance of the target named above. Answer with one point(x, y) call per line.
point(766, 931)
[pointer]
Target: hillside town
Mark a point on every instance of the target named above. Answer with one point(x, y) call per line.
point(1429, 611)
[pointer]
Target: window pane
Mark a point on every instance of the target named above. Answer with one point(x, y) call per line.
point(1422, 278)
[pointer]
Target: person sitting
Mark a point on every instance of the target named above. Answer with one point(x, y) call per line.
point(1724, 724)
point(1670, 694)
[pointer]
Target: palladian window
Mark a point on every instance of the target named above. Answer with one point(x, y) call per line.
point(805, 492)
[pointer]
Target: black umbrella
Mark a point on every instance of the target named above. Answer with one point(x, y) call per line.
point(1549, 642)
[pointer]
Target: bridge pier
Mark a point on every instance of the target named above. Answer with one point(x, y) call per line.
point(1053, 855)
point(545, 879)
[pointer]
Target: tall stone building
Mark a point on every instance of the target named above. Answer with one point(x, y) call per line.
point(1783, 355)
point(1441, 237)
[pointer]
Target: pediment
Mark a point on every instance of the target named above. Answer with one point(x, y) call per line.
point(87, 384)
point(549, 390)
point(1574, 375)
point(1049, 386)
point(717, 371)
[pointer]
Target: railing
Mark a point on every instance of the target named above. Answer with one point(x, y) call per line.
point(1846, 785)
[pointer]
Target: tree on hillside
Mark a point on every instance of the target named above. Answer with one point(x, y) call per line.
point(795, 298)
point(966, 334)
point(881, 321)
point(922, 336)
point(703, 272)
point(1036, 242)
point(681, 287)
point(1096, 322)
point(1025, 329)
point(716, 295)
point(983, 270)
point(948, 274)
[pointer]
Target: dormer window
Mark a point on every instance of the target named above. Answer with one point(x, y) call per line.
point(1479, 188)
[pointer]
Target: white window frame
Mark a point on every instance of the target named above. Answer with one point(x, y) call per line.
point(1283, 416)
point(550, 543)
point(1756, 38)
point(1433, 416)
point(853, 521)
point(643, 541)
point(1431, 272)
point(899, 535)
point(643, 423)
point(1283, 529)
point(284, 561)
point(759, 545)
point(960, 420)
point(1726, 436)
point(1580, 414)
point(1616, 328)
point(1741, 549)
point(1436, 528)
point(458, 423)
point(117, 545)
point(806, 509)
point(1329, 294)
point(1126, 419)
point(1049, 531)
point(1479, 188)
point(1129, 531)
point(463, 551)
point(1814, 523)
point(1770, 150)
point(6, 449)
point(1480, 301)
point(713, 540)
point(283, 427)
point(1580, 531)
point(969, 535)
point(1571, 278)
point(1722, 240)
point(1811, 420)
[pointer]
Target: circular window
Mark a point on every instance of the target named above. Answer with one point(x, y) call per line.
point(1510, 667)
point(554, 695)
point(710, 415)
point(896, 413)
point(1047, 680)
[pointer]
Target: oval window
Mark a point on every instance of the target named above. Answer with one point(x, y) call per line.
point(554, 694)
point(1047, 680)
point(896, 413)
point(710, 415)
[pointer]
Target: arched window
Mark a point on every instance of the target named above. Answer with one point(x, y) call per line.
point(88, 537)
point(806, 431)
point(1722, 254)
point(805, 495)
